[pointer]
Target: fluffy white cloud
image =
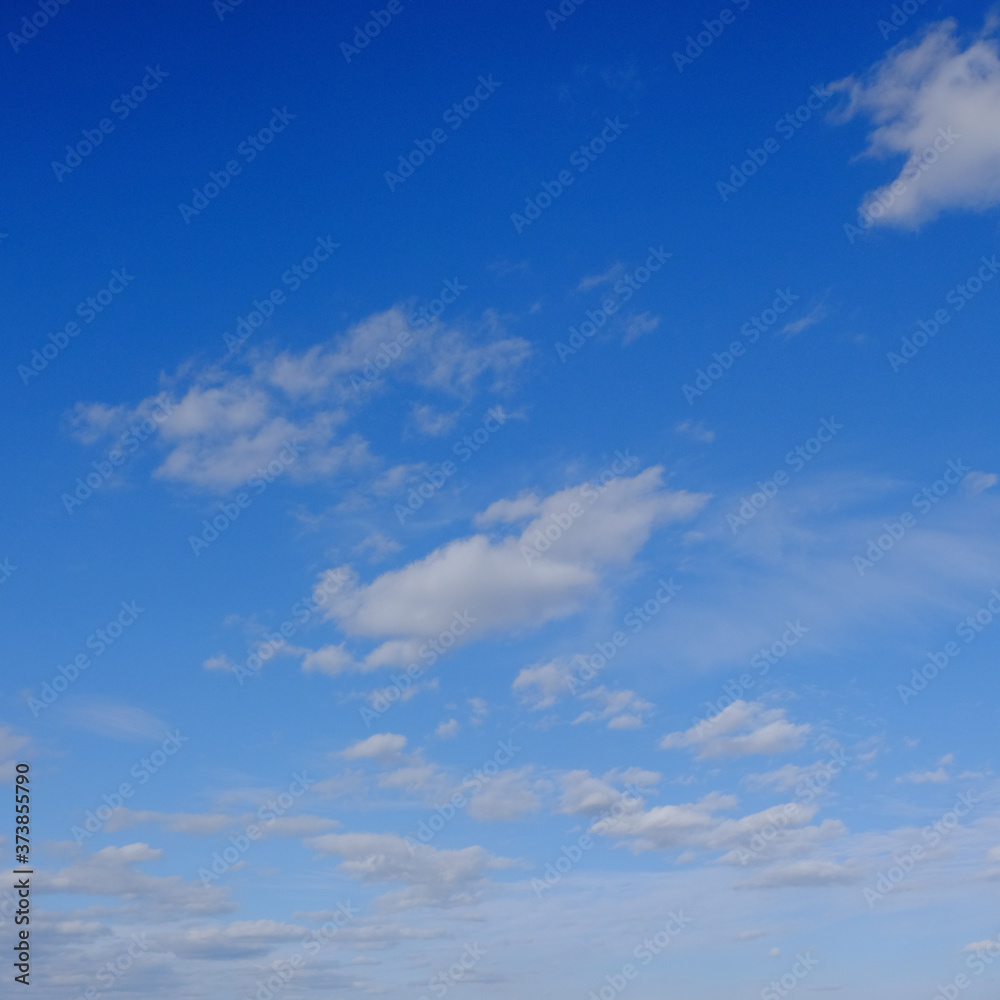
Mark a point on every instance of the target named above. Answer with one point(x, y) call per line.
point(433, 877)
point(543, 684)
point(585, 795)
point(480, 584)
point(622, 709)
point(222, 423)
point(936, 102)
point(382, 746)
point(739, 729)
point(936, 777)
point(111, 872)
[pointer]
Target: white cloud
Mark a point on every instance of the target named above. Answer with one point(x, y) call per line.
point(919, 93)
point(977, 482)
point(938, 776)
point(739, 729)
point(486, 585)
point(698, 824)
point(446, 730)
point(585, 795)
point(230, 419)
point(697, 431)
point(111, 872)
point(382, 746)
point(815, 315)
point(507, 796)
point(622, 709)
point(637, 325)
point(433, 877)
point(988, 945)
point(542, 685)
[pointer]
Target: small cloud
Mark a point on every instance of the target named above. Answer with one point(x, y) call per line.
point(380, 545)
point(430, 422)
point(774, 952)
point(636, 326)
point(977, 482)
point(446, 730)
point(117, 721)
point(815, 315)
point(381, 746)
point(503, 266)
point(926, 777)
point(948, 758)
point(750, 935)
point(479, 710)
point(697, 431)
point(987, 945)
point(220, 662)
point(593, 280)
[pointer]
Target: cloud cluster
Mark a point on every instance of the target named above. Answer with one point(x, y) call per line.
point(919, 93)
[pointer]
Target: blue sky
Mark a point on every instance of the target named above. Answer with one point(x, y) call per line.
point(484, 498)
